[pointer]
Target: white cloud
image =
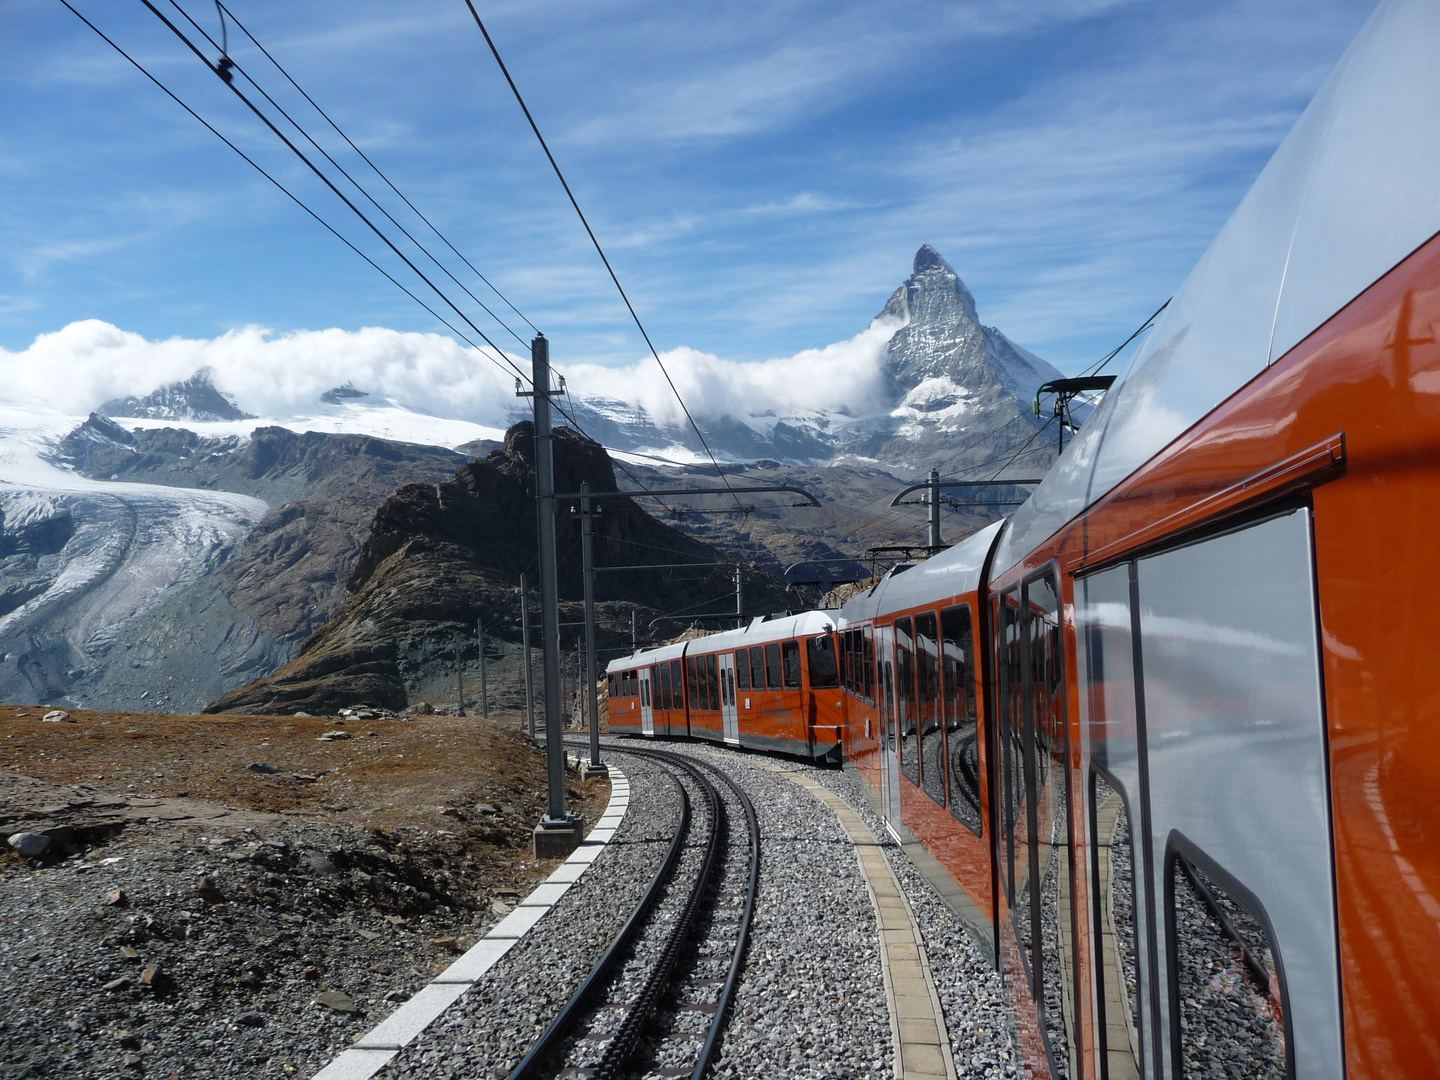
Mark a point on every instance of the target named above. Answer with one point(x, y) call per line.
point(78, 368)
point(846, 377)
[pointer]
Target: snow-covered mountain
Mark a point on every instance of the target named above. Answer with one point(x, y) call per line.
point(951, 389)
point(193, 399)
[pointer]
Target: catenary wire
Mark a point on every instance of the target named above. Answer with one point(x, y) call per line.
point(234, 66)
point(386, 179)
point(282, 188)
point(599, 250)
point(506, 360)
point(329, 183)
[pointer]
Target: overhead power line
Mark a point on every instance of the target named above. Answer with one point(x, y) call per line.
point(599, 250)
point(378, 172)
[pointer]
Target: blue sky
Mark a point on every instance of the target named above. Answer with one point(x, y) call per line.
point(760, 173)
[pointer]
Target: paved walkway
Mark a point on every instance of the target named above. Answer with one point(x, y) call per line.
point(917, 1025)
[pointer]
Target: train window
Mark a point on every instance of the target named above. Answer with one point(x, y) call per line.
point(757, 667)
point(661, 678)
point(1046, 743)
point(820, 655)
point(846, 664)
point(742, 669)
point(790, 657)
point(932, 731)
point(1010, 686)
point(712, 683)
point(677, 685)
point(644, 693)
point(1227, 990)
point(905, 700)
point(962, 732)
point(772, 665)
point(867, 667)
point(610, 685)
point(692, 682)
point(1117, 980)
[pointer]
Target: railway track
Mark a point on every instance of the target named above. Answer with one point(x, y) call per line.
point(656, 1002)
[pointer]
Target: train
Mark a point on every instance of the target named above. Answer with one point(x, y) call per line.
point(1172, 727)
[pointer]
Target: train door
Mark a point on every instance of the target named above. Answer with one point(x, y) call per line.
point(889, 735)
point(729, 709)
point(647, 709)
point(1206, 775)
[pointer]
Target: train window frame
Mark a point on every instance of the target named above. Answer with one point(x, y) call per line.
point(757, 667)
point(969, 709)
point(742, 669)
point(927, 682)
point(692, 682)
point(662, 670)
point(1057, 764)
point(677, 684)
point(867, 664)
point(1178, 848)
point(906, 705)
point(712, 681)
point(1139, 892)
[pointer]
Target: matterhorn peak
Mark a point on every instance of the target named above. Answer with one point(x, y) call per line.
point(932, 293)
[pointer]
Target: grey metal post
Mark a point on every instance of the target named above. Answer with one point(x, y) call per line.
point(549, 581)
point(459, 682)
point(592, 695)
point(484, 689)
point(739, 592)
point(633, 645)
point(525, 641)
point(934, 497)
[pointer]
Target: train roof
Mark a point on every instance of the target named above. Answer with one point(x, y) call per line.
point(950, 573)
point(1349, 194)
point(770, 628)
point(760, 630)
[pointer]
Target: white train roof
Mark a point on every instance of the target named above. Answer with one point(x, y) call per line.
point(760, 630)
point(1349, 194)
point(950, 573)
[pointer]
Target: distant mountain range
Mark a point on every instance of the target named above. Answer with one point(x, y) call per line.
point(173, 547)
point(950, 381)
point(954, 391)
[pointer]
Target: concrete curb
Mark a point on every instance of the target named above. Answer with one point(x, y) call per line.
point(374, 1050)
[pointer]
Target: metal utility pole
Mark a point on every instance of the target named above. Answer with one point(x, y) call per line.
point(525, 642)
point(633, 640)
point(484, 689)
point(459, 682)
point(592, 695)
point(739, 592)
point(934, 498)
point(558, 832)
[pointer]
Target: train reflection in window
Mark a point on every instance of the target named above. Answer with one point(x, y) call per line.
point(905, 700)
point(1118, 982)
point(790, 654)
point(820, 655)
point(1227, 989)
point(962, 736)
point(932, 731)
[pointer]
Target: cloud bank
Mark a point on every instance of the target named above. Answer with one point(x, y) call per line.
point(76, 369)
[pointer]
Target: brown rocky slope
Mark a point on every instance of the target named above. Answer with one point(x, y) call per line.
point(439, 556)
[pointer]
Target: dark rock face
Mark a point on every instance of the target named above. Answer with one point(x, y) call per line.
point(194, 399)
point(439, 556)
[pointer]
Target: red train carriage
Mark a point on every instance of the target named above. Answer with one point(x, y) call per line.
point(915, 719)
point(773, 685)
point(1193, 805)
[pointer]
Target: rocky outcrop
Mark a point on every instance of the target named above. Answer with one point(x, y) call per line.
point(441, 556)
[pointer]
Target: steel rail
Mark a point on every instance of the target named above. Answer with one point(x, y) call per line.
point(727, 990)
point(601, 972)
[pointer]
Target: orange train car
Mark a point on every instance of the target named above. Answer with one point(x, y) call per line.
point(1174, 726)
point(772, 685)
